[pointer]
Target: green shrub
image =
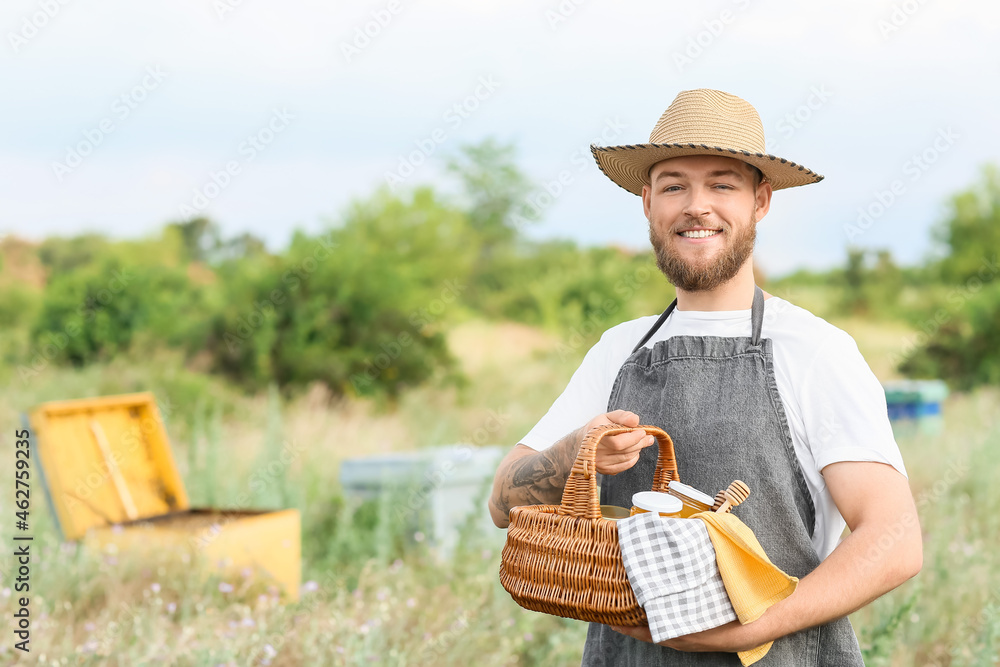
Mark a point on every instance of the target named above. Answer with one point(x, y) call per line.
point(95, 312)
point(961, 321)
point(360, 308)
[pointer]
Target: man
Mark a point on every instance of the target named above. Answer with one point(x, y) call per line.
point(749, 387)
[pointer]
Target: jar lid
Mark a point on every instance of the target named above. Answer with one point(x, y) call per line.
point(692, 493)
point(654, 501)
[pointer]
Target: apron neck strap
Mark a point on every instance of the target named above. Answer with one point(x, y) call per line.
point(756, 319)
point(656, 325)
point(757, 315)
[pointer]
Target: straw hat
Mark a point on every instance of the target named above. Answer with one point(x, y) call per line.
point(701, 122)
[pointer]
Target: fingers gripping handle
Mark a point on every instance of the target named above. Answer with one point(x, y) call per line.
point(580, 496)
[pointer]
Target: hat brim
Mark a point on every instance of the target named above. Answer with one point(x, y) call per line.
point(628, 165)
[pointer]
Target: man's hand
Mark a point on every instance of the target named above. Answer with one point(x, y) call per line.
point(529, 477)
point(618, 453)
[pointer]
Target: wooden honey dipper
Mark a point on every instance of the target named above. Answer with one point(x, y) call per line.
point(720, 498)
point(731, 497)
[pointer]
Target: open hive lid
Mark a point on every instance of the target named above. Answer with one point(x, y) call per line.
point(106, 460)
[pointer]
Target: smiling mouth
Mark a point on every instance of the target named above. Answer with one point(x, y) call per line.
point(699, 233)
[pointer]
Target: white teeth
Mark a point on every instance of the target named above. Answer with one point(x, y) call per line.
point(700, 233)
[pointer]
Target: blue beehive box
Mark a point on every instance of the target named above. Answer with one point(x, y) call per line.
point(913, 399)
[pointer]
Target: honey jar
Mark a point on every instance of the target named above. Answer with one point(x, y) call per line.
point(654, 501)
point(613, 512)
point(692, 499)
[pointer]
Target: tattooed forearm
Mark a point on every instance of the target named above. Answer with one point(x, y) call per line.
point(532, 470)
point(534, 479)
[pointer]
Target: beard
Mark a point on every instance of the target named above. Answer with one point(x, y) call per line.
point(704, 276)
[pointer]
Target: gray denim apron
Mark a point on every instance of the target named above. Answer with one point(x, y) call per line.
point(718, 400)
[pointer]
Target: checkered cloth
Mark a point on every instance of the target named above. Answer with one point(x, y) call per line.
point(671, 566)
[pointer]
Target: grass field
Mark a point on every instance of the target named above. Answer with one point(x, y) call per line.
point(374, 595)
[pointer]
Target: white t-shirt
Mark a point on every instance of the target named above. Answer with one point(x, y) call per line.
point(835, 406)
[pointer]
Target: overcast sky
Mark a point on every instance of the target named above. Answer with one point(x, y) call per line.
point(117, 114)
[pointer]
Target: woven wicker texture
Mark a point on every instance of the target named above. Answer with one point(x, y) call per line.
point(564, 559)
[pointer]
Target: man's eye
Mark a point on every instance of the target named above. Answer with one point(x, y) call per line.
point(672, 188)
point(724, 186)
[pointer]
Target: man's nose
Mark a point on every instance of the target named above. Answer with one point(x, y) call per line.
point(697, 205)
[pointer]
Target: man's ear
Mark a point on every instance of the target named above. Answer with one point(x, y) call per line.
point(647, 194)
point(762, 201)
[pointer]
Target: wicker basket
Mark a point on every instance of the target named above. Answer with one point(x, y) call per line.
point(564, 559)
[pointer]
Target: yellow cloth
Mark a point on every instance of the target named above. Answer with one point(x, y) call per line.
point(752, 581)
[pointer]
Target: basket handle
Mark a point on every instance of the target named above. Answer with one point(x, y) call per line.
point(580, 497)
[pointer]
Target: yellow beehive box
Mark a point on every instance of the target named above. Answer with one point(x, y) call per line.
point(111, 479)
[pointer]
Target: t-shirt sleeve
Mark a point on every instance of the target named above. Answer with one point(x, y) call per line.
point(843, 407)
point(585, 397)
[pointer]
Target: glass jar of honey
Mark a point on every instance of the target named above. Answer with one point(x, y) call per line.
point(692, 499)
point(654, 501)
point(614, 513)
